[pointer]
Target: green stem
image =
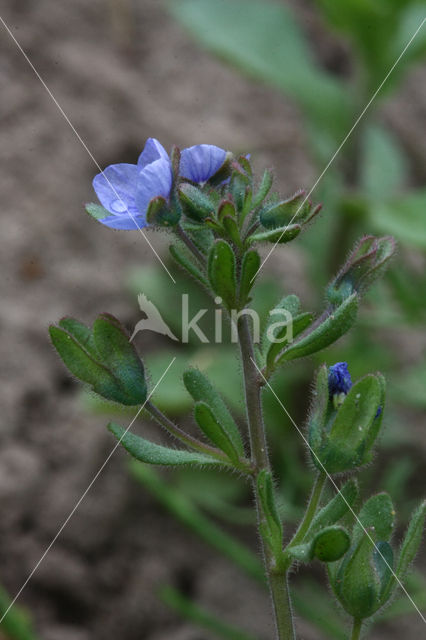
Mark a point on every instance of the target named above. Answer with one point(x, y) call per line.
point(356, 629)
point(190, 245)
point(276, 572)
point(311, 510)
point(178, 433)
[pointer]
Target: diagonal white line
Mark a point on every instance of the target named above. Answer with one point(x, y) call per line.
point(80, 139)
point(345, 139)
point(70, 515)
point(329, 477)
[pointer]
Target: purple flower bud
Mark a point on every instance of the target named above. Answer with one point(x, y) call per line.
point(339, 378)
point(126, 190)
point(378, 413)
point(201, 162)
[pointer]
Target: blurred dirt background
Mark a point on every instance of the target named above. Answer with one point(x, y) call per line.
point(122, 72)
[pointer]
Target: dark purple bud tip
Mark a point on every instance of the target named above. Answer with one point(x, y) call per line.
point(339, 378)
point(379, 412)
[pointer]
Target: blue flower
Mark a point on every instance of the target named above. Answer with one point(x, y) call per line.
point(125, 190)
point(339, 378)
point(201, 162)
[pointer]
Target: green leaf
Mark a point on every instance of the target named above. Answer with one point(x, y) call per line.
point(383, 562)
point(330, 544)
point(196, 204)
point(327, 545)
point(82, 334)
point(119, 356)
point(265, 489)
point(412, 541)
point(280, 234)
point(226, 208)
point(209, 425)
point(97, 211)
point(160, 213)
point(336, 508)
point(202, 390)
point(335, 325)
point(282, 339)
point(264, 188)
point(318, 414)
point(377, 513)
point(221, 270)
point(282, 213)
point(84, 367)
point(402, 217)
point(151, 453)
point(357, 581)
point(383, 166)
point(264, 41)
point(249, 268)
point(232, 230)
point(301, 552)
point(186, 261)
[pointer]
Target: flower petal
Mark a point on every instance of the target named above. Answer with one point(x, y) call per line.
point(152, 151)
point(124, 222)
point(116, 188)
point(154, 180)
point(201, 162)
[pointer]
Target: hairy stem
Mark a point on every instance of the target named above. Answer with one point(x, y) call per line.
point(190, 245)
point(356, 629)
point(311, 510)
point(275, 570)
point(178, 433)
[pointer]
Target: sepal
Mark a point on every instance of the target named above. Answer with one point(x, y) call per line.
point(160, 213)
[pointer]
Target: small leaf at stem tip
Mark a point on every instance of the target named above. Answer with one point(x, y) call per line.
point(151, 453)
